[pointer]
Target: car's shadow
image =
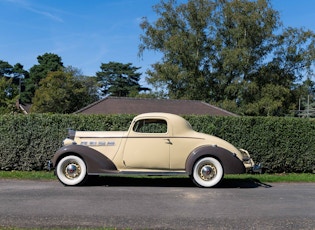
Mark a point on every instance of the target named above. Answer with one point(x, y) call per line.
point(121, 181)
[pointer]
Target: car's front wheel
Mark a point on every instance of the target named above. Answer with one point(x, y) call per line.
point(207, 172)
point(71, 170)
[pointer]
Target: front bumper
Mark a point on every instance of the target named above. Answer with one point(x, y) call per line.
point(50, 166)
point(250, 165)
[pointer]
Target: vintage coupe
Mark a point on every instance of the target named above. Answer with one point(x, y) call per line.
point(155, 144)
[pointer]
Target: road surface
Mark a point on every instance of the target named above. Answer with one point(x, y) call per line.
point(173, 203)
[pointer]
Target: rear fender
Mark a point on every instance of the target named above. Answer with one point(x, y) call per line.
point(231, 164)
point(95, 161)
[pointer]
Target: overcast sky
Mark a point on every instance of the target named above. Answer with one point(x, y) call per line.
point(87, 33)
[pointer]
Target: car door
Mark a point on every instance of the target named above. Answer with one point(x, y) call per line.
point(148, 145)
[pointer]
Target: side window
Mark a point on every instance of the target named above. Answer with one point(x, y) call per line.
point(150, 126)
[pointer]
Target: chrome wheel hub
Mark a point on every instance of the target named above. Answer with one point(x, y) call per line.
point(72, 170)
point(207, 172)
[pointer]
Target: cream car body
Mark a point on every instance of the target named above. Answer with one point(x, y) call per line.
point(156, 143)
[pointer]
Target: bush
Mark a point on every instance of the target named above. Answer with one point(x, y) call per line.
point(281, 144)
point(29, 141)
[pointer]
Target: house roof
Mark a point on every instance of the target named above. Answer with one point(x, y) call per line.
point(126, 105)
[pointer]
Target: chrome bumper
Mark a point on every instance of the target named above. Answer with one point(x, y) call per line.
point(50, 166)
point(257, 168)
point(250, 165)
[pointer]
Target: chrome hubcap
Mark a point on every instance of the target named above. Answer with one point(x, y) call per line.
point(207, 172)
point(72, 170)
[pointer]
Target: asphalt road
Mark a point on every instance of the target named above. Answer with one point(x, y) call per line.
point(157, 204)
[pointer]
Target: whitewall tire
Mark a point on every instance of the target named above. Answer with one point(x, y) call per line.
point(207, 172)
point(71, 170)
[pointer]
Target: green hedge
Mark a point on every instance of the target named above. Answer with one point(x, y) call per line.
point(29, 141)
point(281, 144)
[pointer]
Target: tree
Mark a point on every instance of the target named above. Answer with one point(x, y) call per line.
point(291, 60)
point(207, 45)
point(63, 92)
point(306, 96)
point(48, 62)
point(5, 69)
point(89, 83)
point(227, 52)
point(10, 85)
point(119, 79)
point(8, 96)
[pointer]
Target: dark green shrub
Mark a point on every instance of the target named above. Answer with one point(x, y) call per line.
point(281, 144)
point(29, 141)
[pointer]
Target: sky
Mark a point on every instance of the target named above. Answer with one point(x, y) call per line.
point(86, 34)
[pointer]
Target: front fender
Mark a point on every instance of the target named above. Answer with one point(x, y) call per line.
point(96, 162)
point(230, 163)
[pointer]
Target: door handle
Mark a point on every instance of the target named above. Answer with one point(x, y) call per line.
point(168, 141)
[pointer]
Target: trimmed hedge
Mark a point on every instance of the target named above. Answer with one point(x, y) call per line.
point(281, 144)
point(29, 141)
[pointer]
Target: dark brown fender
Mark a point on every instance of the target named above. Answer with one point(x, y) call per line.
point(96, 162)
point(231, 164)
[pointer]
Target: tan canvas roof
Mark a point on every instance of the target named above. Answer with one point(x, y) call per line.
point(125, 105)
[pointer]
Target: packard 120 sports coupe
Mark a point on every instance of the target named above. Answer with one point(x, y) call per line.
point(155, 144)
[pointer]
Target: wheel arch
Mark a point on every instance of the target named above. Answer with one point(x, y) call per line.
point(95, 161)
point(230, 163)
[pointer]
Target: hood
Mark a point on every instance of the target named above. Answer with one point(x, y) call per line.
point(100, 134)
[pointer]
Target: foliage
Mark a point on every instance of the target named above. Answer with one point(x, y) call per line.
point(228, 53)
point(118, 79)
point(10, 86)
point(61, 92)
point(306, 93)
point(8, 96)
point(281, 144)
point(47, 62)
point(29, 141)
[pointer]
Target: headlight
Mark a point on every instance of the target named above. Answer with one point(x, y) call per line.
point(68, 141)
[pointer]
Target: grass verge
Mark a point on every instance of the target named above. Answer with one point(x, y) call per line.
point(274, 178)
point(28, 175)
point(264, 178)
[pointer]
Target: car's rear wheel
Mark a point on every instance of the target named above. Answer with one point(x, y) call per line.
point(71, 170)
point(207, 172)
